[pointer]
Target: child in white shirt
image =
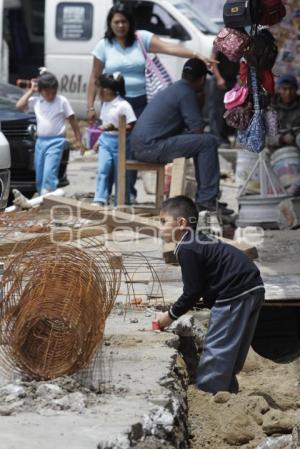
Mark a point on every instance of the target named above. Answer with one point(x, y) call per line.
point(51, 111)
point(111, 93)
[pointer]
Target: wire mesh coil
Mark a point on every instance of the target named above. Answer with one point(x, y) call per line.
point(55, 301)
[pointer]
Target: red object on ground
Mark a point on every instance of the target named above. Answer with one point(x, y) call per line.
point(155, 326)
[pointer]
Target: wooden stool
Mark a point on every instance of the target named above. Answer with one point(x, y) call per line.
point(178, 171)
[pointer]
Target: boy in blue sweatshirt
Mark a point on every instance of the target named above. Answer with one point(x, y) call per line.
point(229, 284)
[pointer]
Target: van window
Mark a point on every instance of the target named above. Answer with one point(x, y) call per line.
point(74, 21)
point(152, 17)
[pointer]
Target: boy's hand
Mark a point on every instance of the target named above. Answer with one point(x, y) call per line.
point(164, 320)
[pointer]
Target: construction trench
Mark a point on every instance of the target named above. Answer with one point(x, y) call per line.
point(138, 390)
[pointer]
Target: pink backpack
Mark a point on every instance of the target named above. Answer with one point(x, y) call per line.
point(271, 12)
point(233, 43)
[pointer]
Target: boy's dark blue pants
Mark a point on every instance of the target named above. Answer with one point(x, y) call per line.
point(227, 342)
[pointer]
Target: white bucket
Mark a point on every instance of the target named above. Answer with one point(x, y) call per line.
point(286, 164)
point(244, 164)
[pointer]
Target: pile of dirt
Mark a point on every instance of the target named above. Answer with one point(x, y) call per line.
point(268, 404)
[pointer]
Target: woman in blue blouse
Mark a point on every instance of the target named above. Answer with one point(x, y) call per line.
point(120, 51)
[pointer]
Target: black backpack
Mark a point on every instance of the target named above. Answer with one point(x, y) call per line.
point(240, 13)
point(263, 50)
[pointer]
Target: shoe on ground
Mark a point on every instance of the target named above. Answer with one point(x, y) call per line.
point(98, 204)
point(213, 208)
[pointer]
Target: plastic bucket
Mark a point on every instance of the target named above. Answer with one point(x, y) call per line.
point(286, 165)
point(244, 164)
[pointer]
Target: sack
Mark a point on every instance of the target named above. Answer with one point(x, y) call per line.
point(239, 117)
point(236, 96)
point(271, 12)
point(271, 122)
point(156, 76)
point(239, 13)
point(233, 43)
point(253, 138)
point(263, 51)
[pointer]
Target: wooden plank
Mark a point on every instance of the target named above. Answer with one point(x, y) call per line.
point(121, 192)
point(122, 220)
point(160, 185)
point(251, 251)
point(178, 177)
point(8, 247)
point(114, 218)
point(143, 166)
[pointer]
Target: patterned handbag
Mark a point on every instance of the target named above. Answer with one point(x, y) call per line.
point(233, 43)
point(253, 138)
point(156, 76)
point(239, 117)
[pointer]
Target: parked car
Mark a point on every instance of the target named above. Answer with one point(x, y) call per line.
point(19, 128)
point(4, 171)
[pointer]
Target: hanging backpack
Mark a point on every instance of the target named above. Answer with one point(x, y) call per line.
point(232, 43)
point(271, 12)
point(263, 50)
point(239, 13)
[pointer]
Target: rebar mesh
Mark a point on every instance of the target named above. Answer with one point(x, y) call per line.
point(56, 299)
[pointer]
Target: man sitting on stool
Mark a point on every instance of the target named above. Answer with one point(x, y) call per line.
point(171, 126)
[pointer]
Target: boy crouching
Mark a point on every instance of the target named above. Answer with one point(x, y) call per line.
point(230, 285)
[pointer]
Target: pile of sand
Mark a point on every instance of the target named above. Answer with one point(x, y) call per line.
point(268, 405)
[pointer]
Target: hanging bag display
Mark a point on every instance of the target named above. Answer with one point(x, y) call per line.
point(156, 76)
point(233, 43)
point(253, 138)
point(239, 13)
point(263, 50)
point(271, 12)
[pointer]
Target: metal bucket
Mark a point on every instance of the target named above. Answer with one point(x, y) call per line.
point(244, 164)
point(256, 210)
point(286, 165)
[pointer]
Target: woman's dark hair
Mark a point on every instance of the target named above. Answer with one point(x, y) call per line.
point(47, 81)
point(114, 82)
point(181, 206)
point(121, 9)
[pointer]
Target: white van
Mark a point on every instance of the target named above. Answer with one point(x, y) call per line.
point(61, 34)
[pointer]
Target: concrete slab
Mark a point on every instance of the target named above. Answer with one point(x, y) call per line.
point(142, 398)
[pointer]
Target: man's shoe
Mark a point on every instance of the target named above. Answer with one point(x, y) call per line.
point(212, 208)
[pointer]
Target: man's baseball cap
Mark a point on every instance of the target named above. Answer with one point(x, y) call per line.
point(196, 68)
point(288, 79)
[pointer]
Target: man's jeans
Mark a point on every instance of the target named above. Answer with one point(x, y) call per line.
point(203, 148)
point(47, 157)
